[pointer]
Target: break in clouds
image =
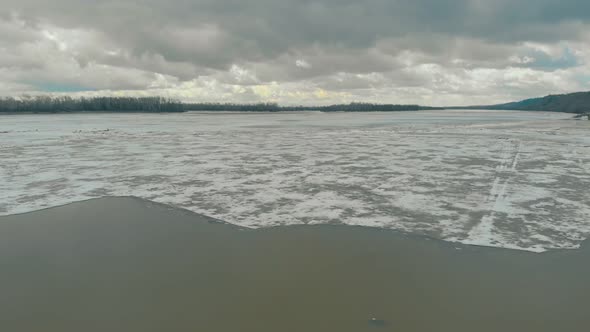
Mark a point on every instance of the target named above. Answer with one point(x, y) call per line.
point(434, 52)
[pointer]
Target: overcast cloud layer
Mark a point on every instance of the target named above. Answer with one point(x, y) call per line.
point(433, 52)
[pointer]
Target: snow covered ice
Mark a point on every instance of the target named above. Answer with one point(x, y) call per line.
point(505, 179)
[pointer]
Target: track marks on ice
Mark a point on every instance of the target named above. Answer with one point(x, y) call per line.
point(498, 200)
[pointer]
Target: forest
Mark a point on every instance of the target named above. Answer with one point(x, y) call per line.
point(49, 104)
point(572, 103)
point(273, 107)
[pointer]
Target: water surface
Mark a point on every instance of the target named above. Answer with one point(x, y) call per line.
point(123, 264)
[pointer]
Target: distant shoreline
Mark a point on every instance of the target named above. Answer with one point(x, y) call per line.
point(575, 115)
point(577, 103)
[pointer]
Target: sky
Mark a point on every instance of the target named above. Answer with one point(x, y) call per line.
point(428, 52)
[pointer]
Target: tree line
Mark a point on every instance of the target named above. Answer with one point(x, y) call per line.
point(573, 103)
point(259, 107)
point(50, 104)
point(61, 104)
point(369, 107)
point(273, 107)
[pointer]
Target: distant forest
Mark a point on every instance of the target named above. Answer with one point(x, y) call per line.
point(573, 103)
point(49, 104)
point(273, 107)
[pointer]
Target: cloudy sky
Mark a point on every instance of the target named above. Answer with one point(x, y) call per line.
point(432, 52)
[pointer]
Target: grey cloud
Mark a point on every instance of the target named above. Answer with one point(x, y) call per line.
point(350, 46)
point(276, 25)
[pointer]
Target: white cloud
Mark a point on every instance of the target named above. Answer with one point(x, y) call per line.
point(302, 64)
point(521, 60)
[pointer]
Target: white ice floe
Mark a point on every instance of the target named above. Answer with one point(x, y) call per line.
point(486, 178)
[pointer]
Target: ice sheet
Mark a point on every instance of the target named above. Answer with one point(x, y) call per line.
point(505, 179)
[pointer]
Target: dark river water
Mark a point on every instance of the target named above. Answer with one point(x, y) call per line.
point(124, 264)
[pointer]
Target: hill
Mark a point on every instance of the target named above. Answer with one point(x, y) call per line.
point(578, 102)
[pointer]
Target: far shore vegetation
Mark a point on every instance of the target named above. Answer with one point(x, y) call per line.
point(49, 104)
point(273, 107)
point(572, 103)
